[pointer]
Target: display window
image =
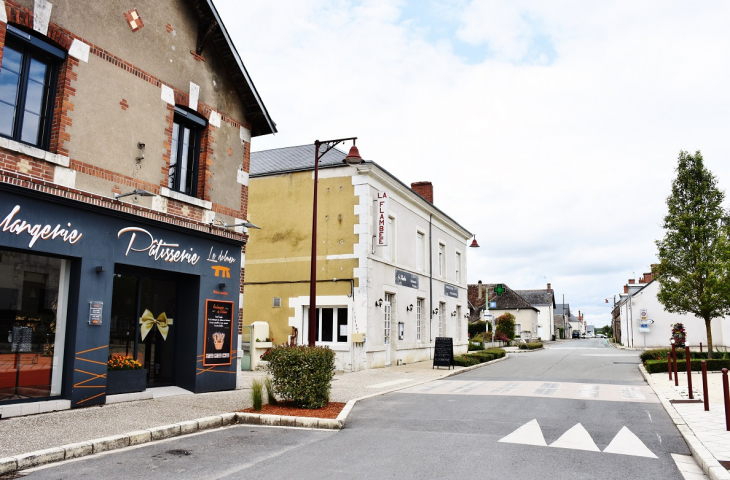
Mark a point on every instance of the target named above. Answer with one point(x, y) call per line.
point(33, 304)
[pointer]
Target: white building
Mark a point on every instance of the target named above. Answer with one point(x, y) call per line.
point(544, 301)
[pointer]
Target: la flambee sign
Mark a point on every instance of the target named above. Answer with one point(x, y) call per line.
point(383, 204)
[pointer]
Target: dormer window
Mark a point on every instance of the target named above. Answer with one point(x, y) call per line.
point(185, 151)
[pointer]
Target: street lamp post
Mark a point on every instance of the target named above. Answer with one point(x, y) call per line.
point(352, 158)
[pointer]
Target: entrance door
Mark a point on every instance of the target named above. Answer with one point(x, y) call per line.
point(143, 314)
point(386, 325)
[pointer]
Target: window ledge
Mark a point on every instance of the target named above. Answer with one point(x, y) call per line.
point(34, 152)
point(181, 197)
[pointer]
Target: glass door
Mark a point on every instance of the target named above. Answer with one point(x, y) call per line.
point(143, 313)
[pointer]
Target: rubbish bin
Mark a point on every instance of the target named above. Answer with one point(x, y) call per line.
point(553, 338)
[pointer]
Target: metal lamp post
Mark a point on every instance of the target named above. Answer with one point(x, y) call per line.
point(352, 158)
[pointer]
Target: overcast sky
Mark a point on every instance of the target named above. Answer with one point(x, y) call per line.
point(550, 129)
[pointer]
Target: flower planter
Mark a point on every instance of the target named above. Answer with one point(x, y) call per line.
point(126, 381)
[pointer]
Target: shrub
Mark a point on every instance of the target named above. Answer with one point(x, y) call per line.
point(660, 366)
point(506, 326)
point(483, 356)
point(466, 360)
point(497, 352)
point(530, 346)
point(477, 327)
point(257, 397)
point(475, 347)
point(501, 337)
point(302, 374)
point(269, 385)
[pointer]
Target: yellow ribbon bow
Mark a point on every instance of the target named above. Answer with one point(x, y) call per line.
point(147, 320)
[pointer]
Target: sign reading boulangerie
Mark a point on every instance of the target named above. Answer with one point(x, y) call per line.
point(218, 333)
point(382, 213)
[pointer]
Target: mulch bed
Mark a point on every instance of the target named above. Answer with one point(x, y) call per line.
point(287, 408)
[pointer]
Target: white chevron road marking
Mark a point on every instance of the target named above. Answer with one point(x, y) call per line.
point(528, 434)
point(626, 443)
point(577, 438)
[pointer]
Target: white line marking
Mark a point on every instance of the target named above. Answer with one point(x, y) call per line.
point(390, 384)
point(626, 443)
point(528, 434)
point(577, 438)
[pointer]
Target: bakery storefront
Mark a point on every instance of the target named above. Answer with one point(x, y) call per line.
point(80, 283)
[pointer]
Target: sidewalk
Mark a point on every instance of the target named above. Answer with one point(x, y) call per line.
point(704, 432)
point(24, 435)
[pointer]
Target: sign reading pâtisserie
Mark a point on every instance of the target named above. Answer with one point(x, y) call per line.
point(218, 332)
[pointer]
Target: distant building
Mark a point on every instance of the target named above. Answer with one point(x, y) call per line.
point(544, 301)
point(501, 302)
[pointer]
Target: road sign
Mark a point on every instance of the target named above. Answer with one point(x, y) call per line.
point(492, 304)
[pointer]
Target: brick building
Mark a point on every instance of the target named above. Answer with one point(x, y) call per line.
point(125, 132)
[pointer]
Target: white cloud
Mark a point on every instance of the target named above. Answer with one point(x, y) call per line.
point(560, 167)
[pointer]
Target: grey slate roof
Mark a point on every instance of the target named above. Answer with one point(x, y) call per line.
point(537, 297)
point(292, 159)
point(510, 300)
point(559, 309)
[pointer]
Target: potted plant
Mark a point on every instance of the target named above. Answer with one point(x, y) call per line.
point(125, 375)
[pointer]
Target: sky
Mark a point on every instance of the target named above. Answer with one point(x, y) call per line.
point(550, 130)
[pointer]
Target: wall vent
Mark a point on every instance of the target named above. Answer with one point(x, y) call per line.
point(277, 302)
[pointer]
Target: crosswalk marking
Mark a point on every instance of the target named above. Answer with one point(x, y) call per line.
point(390, 384)
point(588, 391)
point(577, 438)
point(528, 434)
point(626, 443)
point(547, 389)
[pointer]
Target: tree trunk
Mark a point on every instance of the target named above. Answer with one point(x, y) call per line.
point(709, 337)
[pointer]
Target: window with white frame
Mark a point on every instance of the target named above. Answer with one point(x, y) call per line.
point(458, 323)
point(419, 310)
point(457, 261)
point(442, 319)
point(518, 329)
point(330, 324)
point(442, 249)
point(420, 249)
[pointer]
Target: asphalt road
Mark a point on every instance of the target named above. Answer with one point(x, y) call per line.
point(579, 410)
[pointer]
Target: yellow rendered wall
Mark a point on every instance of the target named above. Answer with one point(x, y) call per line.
point(281, 251)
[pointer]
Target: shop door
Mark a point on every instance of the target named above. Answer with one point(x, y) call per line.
point(386, 326)
point(143, 314)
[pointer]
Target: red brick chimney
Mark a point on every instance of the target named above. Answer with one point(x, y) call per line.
point(632, 281)
point(549, 289)
point(648, 277)
point(424, 189)
point(626, 289)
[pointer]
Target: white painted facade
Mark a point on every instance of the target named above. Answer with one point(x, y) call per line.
point(638, 299)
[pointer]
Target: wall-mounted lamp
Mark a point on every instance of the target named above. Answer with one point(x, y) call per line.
point(244, 224)
point(141, 146)
point(466, 315)
point(474, 243)
point(453, 314)
point(136, 191)
point(99, 268)
point(409, 308)
point(435, 311)
point(222, 286)
point(379, 302)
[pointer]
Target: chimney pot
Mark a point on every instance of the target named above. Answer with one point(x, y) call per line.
point(549, 289)
point(424, 189)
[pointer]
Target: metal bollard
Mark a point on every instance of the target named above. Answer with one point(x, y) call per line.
point(669, 365)
point(705, 396)
point(674, 360)
point(688, 362)
point(726, 390)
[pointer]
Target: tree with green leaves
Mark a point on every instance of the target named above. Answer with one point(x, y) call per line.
point(506, 325)
point(694, 255)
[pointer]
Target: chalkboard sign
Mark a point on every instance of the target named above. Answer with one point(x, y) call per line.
point(443, 355)
point(218, 333)
point(22, 339)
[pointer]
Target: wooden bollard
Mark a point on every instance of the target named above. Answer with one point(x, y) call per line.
point(688, 362)
point(726, 391)
point(674, 360)
point(705, 396)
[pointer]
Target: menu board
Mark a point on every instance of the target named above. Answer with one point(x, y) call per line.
point(443, 355)
point(22, 340)
point(218, 333)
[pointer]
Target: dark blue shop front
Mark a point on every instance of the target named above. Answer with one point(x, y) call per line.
point(80, 283)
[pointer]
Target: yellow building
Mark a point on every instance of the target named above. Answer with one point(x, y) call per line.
point(381, 298)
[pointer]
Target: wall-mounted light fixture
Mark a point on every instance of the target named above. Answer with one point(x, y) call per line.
point(466, 315)
point(379, 302)
point(435, 311)
point(453, 314)
point(136, 191)
point(99, 268)
point(244, 224)
point(409, 308)
point(222, 286)
point(141, 146)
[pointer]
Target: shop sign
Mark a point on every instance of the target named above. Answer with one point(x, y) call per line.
point(451, 291)
point(218, 333)
point(37, 232)
point(406, 279)
point(95, 311)
point(21, 340)
point(383, 204)
point(157, 249)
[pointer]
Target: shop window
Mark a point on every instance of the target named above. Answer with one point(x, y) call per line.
point(419, 310)
point(187, 128)
point(331, 325)
point(442, 319)
point(27, 84)
point(33, 301)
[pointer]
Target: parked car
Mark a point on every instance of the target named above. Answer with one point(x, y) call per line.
point(576, 334)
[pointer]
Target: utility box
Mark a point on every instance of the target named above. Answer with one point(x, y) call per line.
point(357, 337)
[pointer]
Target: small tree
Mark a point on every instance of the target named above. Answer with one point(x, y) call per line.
point(694, 255)
point(506, 325)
